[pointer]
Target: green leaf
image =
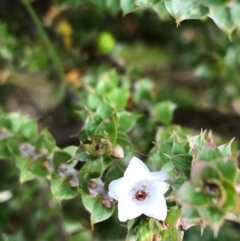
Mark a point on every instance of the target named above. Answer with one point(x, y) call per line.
point(228, 167)
point(231, 199)
point(14, 121)
point(62, 189)
point(189, 195)
point(128, 6)
point(213, 215)
point(235, 10)
point(161, 10)
point(182, 10)
point(163, 112)
point(154, 226)
point(39, 166)
point(118, 98)
point(180, 147)
point(113, 6)
point(29, 130)
point(114, 172)
point(83, 156)
point(173, 216)
point(174, 234)
point(60, 157)
point(45, 141)
point(125, 142)
point(104, 110)
point(222, 18)
point(127, 120)
point(226, 148)
point(94, 100)
point(5, 153)
point(108, 82)
point(213, 2)
point(143, 91)
point(88, 201)
point(91, 169)
point(100, 212)
point(108, 128)
point(92, 123)
point(207, 154)
point(146, 3)
point(182, 162)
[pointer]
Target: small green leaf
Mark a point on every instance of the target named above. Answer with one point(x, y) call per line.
point(146, 3)
point(180, 147)
point(29, 130)
point(207, 154)
point(189, 195)
point(118, 98)
point(83, 156)
point(163, 112)
point(45, 141)
point(222, 18)
point(114, 172)
point(107, 82)
point(60, 157)
point(100, 212)
point(182, 162)
point(128, 6)
point(92, 123)
point(5, 153)
point(228, 167)
point(174, 234)
point(88, 201)
point(161, 10)
point(154, 226)
point(62, 189)
point(173, 216)
point(182, 10)
point(235, 10)
point(93, 101)
point(113, 6)
point(231, 199)
point(91, 169)
point(108, 128)
point(104, 110)
point(213, 215)
point(127, 120)
point(39, 166)
point(213, 2)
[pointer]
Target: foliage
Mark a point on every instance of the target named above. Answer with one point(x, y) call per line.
point(123, 113)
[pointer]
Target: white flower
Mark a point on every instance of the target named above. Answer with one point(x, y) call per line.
point(140, 191)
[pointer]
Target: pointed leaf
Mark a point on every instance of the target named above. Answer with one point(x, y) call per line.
point(127, 120)
point(39, 166)
point(62, 189)
point(100, 212)
point(60, 157)
point(163, 112)
point(91, 169)
point(222, 18)
point(108, 128)
point(128, 6)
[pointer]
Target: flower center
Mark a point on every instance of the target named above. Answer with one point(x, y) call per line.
point(140, 195)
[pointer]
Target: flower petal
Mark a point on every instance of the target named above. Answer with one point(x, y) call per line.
point(159, 176)
point(156, 208)
point(128, 209)
point(158, 188)
point(136, 171)
point(116, 188)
